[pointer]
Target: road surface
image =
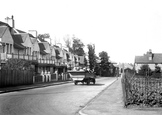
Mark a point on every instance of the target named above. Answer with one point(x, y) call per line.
point(66, 99)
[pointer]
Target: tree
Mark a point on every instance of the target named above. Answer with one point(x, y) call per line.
point(85, 62)
point(18, 64)
point(42, 37)
point(78, 47)
point(145, 70)
point(105, 64)
point(68, 43)
point(157, 69)
point(75, 45)
point(91, 56)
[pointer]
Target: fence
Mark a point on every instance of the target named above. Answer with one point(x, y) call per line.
point(15, 77)
point(53, 77)
point(142, 91)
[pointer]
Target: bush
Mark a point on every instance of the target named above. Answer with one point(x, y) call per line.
point(18, 64)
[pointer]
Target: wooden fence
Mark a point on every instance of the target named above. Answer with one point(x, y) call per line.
point(10, 77)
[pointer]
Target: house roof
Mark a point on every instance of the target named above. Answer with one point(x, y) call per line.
point(53, 53)
point(157, 58)
point(42, 48)
point(57, 53)
point(3, 23)
point(33, 40)
point(2, 30)
point(30, 35)
point(35, 44)
point(5, 35)
point(56, 46)
point(27, 40)
point(18, 41)
point(20, 31)
point(149, 58)
point(47, 47)
point(81, 59)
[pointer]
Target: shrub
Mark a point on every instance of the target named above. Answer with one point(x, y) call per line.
point(18, 64)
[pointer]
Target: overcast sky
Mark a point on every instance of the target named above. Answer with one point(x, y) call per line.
point(122, 28)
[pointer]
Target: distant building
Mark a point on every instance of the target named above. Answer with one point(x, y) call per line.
point(149, 58)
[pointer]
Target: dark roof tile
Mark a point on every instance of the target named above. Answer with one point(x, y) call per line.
point(3, 24)
point(156, 58)
point(18, 41)
point(42, 48)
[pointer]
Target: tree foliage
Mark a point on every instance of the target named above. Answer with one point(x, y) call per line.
point(91, 56)
point(78, 47)
point(42, 37)
point(75, 45)
point(18, 64)
point(145, 70)
point(105, 64)
point(157, 69)
point(68, 43)
point(85, 61)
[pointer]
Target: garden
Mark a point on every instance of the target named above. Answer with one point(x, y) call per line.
point(143, 89)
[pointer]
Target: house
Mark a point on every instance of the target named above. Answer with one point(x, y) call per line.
point(43, 53)
point(81, 60)
point(149, 58)
point(35, 47)
point(27, 42)
point(6, 40)
point(152, 59)
point(47, 49)
point(19, 48)
point(15, 43)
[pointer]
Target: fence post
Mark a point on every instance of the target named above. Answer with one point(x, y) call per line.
point(123, 80)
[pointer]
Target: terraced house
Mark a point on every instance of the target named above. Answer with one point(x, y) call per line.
point(50, 62)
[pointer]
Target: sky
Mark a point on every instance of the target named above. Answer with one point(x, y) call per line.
point(122, 28)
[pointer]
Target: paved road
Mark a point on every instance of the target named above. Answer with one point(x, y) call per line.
point(65, 99)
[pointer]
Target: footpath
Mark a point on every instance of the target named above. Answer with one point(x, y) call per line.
point(32, 86)
point(110, 102)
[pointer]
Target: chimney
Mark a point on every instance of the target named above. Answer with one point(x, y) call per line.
point(13, 21)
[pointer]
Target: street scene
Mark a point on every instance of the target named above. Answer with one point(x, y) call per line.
point(80, 57)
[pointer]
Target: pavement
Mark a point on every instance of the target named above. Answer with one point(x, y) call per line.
point(110, 102)
point(32, 86)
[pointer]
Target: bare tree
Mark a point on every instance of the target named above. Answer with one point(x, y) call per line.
point(68, 42)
